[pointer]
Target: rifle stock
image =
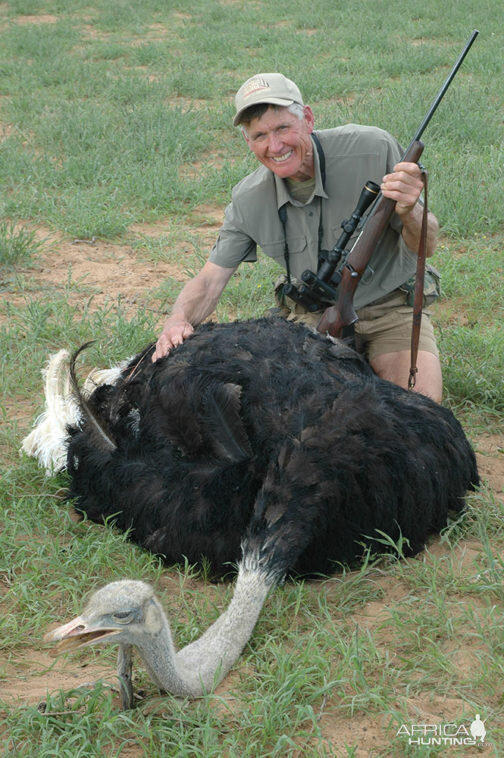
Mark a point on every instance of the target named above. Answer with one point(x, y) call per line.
point(338, 316)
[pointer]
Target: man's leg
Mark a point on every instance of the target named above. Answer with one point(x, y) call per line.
point(395, 367)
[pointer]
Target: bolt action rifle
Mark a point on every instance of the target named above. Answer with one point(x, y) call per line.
point(342, 314)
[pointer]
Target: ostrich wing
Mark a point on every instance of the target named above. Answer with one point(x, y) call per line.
point(223, 421)
point(200, 415)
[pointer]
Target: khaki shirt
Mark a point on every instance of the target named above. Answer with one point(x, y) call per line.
point(354, 154)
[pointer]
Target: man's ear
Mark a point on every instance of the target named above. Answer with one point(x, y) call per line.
point(309, 118)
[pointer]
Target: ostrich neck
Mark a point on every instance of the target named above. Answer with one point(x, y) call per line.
point(200, 666)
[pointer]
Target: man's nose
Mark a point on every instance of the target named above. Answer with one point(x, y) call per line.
point(275, 144)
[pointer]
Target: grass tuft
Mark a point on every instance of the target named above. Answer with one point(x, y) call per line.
point(18, 244)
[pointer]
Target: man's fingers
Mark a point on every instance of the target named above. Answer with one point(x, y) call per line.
point(172, 337)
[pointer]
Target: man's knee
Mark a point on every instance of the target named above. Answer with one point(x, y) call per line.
point(395, 367)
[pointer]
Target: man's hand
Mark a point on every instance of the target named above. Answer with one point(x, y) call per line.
point(175, 331)
point(404, 185)
point(195, 303)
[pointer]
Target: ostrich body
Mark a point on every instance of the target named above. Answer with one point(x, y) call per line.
point(261, 429)
point(262, 444)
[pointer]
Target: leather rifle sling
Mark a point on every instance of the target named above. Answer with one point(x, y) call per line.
point(419, 289)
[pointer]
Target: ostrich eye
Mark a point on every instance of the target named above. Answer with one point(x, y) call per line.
point(123, 617)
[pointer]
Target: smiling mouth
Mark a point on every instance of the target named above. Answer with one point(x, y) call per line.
point(282, 158)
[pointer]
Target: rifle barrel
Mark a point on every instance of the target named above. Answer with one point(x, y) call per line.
point(342, 314)
point(434, 105)
point(445, 86)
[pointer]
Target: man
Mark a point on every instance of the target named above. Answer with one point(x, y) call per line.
point(292, 206)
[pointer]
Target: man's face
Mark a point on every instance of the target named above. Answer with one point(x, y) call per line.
point(281, 141)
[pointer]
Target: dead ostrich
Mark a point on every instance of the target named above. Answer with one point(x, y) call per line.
point(260, 444)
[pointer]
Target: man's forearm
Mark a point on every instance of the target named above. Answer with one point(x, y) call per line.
point(412, 228)
point(200, 296)
point(193, 304)
point(197, 300)
point(405, 185)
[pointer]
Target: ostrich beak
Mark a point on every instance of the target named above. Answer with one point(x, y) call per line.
point(76, 634)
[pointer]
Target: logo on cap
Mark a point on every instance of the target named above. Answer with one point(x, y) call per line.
point(254, 85)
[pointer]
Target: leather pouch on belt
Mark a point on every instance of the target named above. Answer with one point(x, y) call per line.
point(432, 287)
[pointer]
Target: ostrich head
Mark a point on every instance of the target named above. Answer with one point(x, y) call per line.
point(124, 612)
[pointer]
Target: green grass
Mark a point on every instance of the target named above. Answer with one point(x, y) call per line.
point(18, 245)
point(118, 113)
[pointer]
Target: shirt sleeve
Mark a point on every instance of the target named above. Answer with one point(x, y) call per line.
point(233, 246)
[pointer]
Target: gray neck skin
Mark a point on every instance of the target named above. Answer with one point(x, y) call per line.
point(200, 666)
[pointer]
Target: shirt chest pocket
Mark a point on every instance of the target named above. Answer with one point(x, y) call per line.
point(297, 246)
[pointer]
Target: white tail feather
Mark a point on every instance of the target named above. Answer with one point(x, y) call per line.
point(48, 440)
point(102, 376)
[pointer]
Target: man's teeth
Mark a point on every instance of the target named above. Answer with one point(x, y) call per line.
point(281, 158)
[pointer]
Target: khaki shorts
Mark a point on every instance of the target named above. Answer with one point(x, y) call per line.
point(383, 326)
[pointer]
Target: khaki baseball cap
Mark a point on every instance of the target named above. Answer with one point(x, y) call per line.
point(266, 88)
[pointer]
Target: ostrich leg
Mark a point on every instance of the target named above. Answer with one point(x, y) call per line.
point(124, 675)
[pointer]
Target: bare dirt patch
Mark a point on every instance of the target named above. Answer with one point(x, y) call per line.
point(490, 455)
point(43, 18)
point(32, 674)
point(107, 271)
point(95, 269)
